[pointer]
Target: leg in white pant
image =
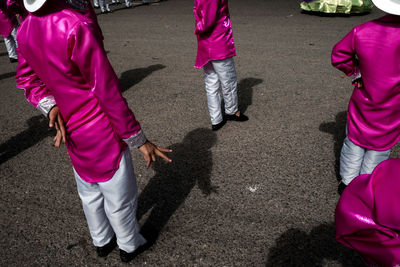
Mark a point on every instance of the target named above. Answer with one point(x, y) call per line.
point(110, 207)
point(221, 72)
point(96, 3)
point(372, 158)
point(356, 160)
point(213, 95)
point(226, 72)
point(104, 6)
point(11, 44)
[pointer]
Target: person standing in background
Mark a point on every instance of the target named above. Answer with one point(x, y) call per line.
point(8, 30)
point(215, 52)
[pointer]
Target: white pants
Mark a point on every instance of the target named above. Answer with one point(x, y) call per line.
point(221, 72)
point(104, 6)
point(110, 207)
point(11, 44)
point(356, 160)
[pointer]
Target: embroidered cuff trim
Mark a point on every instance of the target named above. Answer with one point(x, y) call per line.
point(46, 104)
point(356, 75)
point(136, 140)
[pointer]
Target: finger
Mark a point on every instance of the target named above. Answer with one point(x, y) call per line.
point(153, 157)
point(147, 159)
point(58, 139)
point(51, 120)
point(62, 128)
point(162, 149)
point(162, 155)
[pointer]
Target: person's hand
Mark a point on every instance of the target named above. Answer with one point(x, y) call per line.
point(57, 121)
point(358, 83)
point(150, 150)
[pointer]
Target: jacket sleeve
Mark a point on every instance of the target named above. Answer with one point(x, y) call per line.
point(344, 55)
point(205, 13)
point(87, 52)
point(36, 91)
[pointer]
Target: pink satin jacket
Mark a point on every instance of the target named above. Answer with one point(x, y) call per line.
point(373, 49)
point(61, 55)
point(367, 216)
point(213, 30)
point(8, 21)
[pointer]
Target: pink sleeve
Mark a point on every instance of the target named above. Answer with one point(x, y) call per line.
point(27, 80)
point(87, 52)
point(344, 56)
point(205, 12)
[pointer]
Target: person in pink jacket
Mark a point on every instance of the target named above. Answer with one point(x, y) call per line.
point(369, 53)
point(64, 71)
point(215, 52)
point(8, 30)
point(367, 218)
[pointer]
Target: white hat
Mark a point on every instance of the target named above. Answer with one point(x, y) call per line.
point(33, 5)
point(388, 6)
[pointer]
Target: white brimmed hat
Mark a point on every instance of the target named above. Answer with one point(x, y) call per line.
point(388, 6)
point(33, 5)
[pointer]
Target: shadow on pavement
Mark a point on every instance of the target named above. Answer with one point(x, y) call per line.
point(297, 248)
point(7, 75)
point(336, 128)
point(131, 77)
point(37, 131)
point(245, 92)
point(173, 182)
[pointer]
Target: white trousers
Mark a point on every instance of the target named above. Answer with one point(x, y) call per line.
point(356, 160)
point(11, 44)
point(221, 72)
point(104, 6)
point(110, 207)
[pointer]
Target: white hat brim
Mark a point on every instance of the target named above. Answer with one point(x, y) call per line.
point(33, 5)
point(388, 6)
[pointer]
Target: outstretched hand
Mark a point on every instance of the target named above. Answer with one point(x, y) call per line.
point(150, 150)
point(57, 121)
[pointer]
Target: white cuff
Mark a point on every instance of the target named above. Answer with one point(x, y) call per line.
point(356, 75)
point(46, 104)
point(136, 140)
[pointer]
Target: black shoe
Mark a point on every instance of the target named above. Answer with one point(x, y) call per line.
point(341, 188)
point(216, 127)
point(235, 117)
point(127, 257)
point(107, 249)
point(13, 60)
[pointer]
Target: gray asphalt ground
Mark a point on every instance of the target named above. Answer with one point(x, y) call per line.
point(258, 193)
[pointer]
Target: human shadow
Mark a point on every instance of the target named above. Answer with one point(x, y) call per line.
point(245, 92)
point(337, 129)
point(131, 77)
point(173, 182)
point(3, 54)
point(37, 131)
point(295, 247)
point(7, 75)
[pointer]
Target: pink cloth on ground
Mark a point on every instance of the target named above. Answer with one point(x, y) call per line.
point(373, 48)
point(367, 215)
point(61, 54)
point(8, 21)
point(213, 30)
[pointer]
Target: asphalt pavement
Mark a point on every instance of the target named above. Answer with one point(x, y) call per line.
point(256, 193)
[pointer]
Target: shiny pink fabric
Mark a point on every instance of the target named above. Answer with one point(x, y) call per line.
point(213, 30)
point(374, 110)
point(367, 215)
point(61, 53)
point(8, 21)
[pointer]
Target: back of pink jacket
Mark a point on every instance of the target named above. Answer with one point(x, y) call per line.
point(213, 30)
point(61, 55)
